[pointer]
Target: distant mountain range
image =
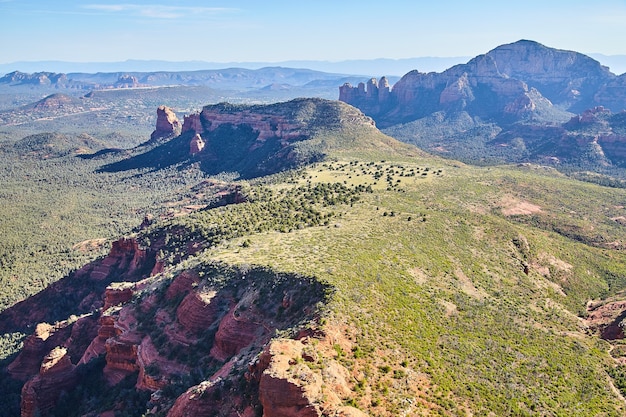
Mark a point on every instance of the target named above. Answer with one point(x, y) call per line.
point(238, 79)
point(359, 66)
point(505, 106)
point(383, 66)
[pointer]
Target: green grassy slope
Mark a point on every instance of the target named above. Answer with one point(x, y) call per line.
point(462, 290)
point(431, 273)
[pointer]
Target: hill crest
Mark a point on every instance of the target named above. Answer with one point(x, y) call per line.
point(256, 140)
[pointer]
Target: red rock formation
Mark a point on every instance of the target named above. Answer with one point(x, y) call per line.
point(457, 91)
point(118, 293)
point(198, 311)
point(56, 375)
point(524, 104)
point(268, 125)
point(606, 319)
point(127, 81)
point(159, 266)
point(121, 349)
point(36, 346)
point(288, 388)
point(193, 123)
point(96, 348)
point(84, 330)
point(196, 145)
point(234, 333)
point(167, 123)
point(499, 80)
point(372, 97)
point(182, 284)
point(155, 371)
point(125, 255)
point(207, 398)
point(198, 400)
point(121, 358)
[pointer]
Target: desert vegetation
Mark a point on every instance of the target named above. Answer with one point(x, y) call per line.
point(440, 288)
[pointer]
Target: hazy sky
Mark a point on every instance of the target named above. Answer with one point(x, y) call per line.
point(274, 31)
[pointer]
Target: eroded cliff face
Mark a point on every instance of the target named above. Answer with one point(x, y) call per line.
point(81, 334)
point(267, 125)
point(82, 291)
point(56, 375)
point(256, 140)
point(596, 137)
point(36, 347)
point(264, 123)
point(167, 123)
point(511, 80)
point(198, 331)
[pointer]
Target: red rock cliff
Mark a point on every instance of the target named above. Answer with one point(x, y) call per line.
point(167, 123)
point(56, 375)
point(36, 346)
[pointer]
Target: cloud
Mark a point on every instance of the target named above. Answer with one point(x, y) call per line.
point(158, 11)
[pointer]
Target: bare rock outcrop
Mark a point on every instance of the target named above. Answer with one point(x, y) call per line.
point(167, 123)
point(41, 393)
point(106, 330)
point(121, 349)
point(266, 124)
point(36, 346)
point(124, 255)
point(196, 145)
point(289, 387)
point(127, 81)
point(607, 318)
point(154, 369)
point(372, 97)
point(84, 330)
point(507, 81)
point(168, 335)
point(206, 399)
point(182, 284)
point(118, 293)
point(198, 311)
point(193, 123)
point(236, 331)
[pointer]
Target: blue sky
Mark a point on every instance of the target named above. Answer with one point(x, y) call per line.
point(274, 31)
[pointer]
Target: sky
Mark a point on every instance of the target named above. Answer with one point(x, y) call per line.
point(275, 31)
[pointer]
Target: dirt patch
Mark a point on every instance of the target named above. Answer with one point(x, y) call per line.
point(619, 219)
point(467, 286)
point(419, 275)
point(511, 206)
point(451, 308)
point(89, 245)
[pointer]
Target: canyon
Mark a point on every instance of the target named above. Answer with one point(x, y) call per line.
point(158, 331)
